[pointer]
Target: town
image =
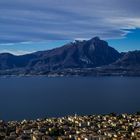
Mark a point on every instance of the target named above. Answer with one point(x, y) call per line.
point(88, 127)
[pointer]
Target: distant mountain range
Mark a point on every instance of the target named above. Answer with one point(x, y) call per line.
point(91, 57)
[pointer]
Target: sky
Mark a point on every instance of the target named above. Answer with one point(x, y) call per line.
point(32, 25)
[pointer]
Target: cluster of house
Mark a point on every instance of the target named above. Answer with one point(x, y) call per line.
point(91, 127)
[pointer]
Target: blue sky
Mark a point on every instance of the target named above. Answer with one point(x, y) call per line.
point(28, 26)
point(29, 47)
point(130, 42)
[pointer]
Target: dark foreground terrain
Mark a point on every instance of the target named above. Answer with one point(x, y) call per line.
point(91, 127)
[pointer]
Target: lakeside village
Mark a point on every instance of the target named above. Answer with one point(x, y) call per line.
point(91, 127)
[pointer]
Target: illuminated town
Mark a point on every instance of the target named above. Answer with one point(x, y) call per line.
point(91, 127)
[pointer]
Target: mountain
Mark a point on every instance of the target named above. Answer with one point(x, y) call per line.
point(130, 59)
point(88, 57)
point(9, 61)
point(79, 54)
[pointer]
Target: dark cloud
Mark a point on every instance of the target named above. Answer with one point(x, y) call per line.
point(37, 20)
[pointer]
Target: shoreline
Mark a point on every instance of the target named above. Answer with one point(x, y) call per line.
point(54, 76)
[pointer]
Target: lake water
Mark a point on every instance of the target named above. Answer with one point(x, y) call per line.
point(33, 97)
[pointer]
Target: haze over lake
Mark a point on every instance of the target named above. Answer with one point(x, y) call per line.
point(33, 97)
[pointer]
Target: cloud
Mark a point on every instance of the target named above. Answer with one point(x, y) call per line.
point(39, 20)
point(16, 52)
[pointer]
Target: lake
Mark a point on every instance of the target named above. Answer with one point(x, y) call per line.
point(39, 97)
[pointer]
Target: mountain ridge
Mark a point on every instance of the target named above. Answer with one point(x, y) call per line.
point(91, 53)
point(82, 55)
